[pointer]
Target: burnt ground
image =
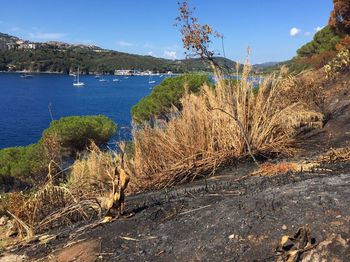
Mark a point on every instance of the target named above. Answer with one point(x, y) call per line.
point(220, 219)
point(230, 216)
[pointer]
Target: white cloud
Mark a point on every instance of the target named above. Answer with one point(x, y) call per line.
point(124, 43)
point(319, 28)
point(169, 54)
point(50, 36)
point(294, 31)
point(150, 53)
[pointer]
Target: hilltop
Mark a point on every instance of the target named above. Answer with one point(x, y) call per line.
point(21, 55)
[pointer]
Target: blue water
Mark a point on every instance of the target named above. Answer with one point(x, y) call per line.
point(24, 103)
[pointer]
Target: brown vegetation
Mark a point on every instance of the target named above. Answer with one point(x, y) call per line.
point(214, 128)
point(340, 16)
point(94, 181)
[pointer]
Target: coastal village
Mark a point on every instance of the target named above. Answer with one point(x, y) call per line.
point(11, 43)
point(8, 42)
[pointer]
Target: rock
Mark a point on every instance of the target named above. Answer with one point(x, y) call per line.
point(284, 227)
point(231, 236)
point(3, 220)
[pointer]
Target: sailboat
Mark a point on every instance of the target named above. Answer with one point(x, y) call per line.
point(77, 83)
point(150, 81)
point(102, 79)
point(26, 76)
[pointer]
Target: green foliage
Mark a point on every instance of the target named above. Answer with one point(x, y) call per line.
point(29, 163)
point(324, 40)
point(165, 95)
point(49, 58)
point(75, 132)
point(21, 162)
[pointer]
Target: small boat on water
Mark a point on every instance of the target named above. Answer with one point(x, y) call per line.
point(150, 81)
point(26, 76)
point(77, 82)
point(97, 76)
point(72, 74)
point(115, 80)
point(103, 80)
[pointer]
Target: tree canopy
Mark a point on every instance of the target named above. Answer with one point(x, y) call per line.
point(324, 40)
point(163, 96)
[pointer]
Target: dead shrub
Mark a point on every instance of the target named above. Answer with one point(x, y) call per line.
point(309, 89)
point(217, 126)
point(91, 174)
point(47, 207)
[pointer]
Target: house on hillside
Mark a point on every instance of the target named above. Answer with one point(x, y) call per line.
point(123, 72)
point(26, 45)
point(11, 46)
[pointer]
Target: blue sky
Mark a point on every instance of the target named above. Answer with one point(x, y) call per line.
point(273, 29)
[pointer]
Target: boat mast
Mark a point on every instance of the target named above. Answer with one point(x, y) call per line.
point(78, 75)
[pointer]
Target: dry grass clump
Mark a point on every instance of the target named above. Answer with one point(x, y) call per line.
point(340, 63)
point(331, 156)
point(53, 205)
point(336, 155)
point(91, 175)
point(308, 88)
point(93, 181)
point(48, 207)
point(273, 169)
point(219, 125)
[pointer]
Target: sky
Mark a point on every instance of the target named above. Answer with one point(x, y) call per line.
point(273, 29)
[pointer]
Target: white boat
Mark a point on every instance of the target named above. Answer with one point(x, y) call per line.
point(77, 82)
point(103, 80)
point(150, 81)
point(26, 76)
point(115, 80)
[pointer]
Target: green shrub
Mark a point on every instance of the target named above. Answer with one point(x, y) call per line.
point(29, 164)
point(75, 132)
point(21, 162)
point(168, 93)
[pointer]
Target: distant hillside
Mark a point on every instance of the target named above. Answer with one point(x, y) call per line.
point(267, 68)
point(5, 38)
point(264, 65)
point(63, 58)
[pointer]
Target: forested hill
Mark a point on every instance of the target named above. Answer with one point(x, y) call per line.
point(17, 54)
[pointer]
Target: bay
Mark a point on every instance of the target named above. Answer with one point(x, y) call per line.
point(25, 103)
